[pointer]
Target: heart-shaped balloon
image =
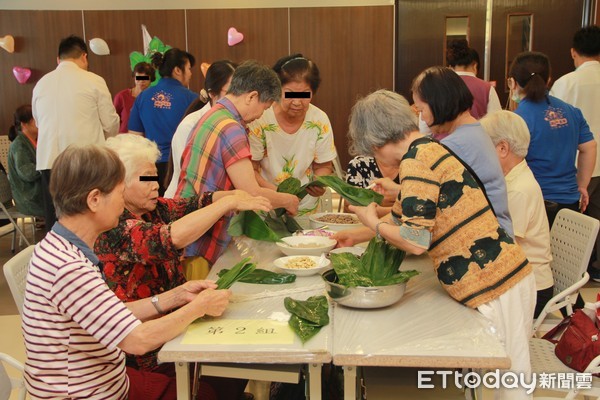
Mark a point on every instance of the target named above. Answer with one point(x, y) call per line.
point(204, 67)
point(234, 37)
point(8, 43)
point(22, 74)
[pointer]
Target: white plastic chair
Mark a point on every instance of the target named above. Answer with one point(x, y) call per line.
point(8, 384)
point(4, 146)
point(572, 239)
point(15, 271)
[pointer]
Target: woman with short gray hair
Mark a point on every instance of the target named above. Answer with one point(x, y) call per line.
point(441, 209)
point(72, 322)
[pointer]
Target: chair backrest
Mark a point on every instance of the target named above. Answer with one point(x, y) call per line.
point(15, 271)
point(572, 239)
point(8, 384)
point(4, 146)
point(5, 191)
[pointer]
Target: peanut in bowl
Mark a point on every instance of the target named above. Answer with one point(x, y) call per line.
point(302, 265)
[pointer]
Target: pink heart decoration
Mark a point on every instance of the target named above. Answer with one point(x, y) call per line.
point(234, 37)
point(22, 74)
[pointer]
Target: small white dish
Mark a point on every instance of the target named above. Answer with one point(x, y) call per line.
point(306, 245)
point(357, 251)
point(321, 263)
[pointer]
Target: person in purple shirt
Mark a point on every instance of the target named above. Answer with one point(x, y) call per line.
point(157, 111)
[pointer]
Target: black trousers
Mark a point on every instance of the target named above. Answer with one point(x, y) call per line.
point(49, 212)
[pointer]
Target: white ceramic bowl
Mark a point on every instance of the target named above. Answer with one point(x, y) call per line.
point(283, 261)
point(357, 251)
point(306, 245)
point(315, 223)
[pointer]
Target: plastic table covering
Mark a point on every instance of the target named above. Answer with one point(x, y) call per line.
point(426, 328)
point(251, 301)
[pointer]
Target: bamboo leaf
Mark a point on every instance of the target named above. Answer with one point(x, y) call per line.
point(354, 195)
point(252, 225)
point(264, 277)
point(236, 273)
point(308, 316)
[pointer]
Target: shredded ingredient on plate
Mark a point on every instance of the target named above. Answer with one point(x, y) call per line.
point(338, 219)
point(301, 263)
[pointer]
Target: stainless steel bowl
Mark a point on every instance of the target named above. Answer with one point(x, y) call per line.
point(361, 296)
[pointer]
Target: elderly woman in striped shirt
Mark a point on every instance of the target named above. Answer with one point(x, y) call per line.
point(75, 329)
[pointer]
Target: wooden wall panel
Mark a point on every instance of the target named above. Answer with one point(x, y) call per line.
point(122, 31)
point(421, 32)
point(353, 48)
point(37, 35)
point(547, 15)
point(265, 35)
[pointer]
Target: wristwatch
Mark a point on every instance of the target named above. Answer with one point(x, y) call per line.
point(154, 301)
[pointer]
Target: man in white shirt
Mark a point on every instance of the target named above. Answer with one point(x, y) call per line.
point(70, 106)
point(510, 135)
point(581, 88)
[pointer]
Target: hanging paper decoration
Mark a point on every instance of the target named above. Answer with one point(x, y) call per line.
point(8, 43)
point(21, 74)
point(234, 37)
point(154, 46)
point(99, 47)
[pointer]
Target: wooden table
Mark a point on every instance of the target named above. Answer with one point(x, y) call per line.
point(426, 328)
point(261, 362)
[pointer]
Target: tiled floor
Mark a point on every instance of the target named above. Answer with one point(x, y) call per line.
point(11, 340)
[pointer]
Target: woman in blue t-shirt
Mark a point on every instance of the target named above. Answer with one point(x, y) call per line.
point(558, 131)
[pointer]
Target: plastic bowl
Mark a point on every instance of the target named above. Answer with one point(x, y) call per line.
point(292, 245)
point(315, 223)
point(283, 261)
point(361, 296)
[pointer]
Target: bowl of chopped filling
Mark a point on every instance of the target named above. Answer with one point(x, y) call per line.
point(302, 265)
point(334, 221)
point(306, 245)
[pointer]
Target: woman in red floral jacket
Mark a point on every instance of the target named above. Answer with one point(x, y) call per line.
point(141, 256)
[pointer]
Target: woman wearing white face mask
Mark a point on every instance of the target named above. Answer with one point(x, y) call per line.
point(558, 132)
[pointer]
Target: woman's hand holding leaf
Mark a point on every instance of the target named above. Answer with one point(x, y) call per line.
point(243, 201)
point(386, 187)
point(367, 215)
point(212, 302)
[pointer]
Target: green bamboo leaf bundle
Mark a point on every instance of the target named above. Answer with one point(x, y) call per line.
point(354, 195)
point(378, 266)
point(308, 316)
point(264, 277)
point(238, 272)
point(252, 225)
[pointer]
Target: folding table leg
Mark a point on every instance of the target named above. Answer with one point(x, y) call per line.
point(182, 373)
point(349, 383)
point(314, 381)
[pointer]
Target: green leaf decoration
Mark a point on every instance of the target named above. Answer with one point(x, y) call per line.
point(354, 195)
point(264, 277)
point(308, 316)
point(251, 224)
point(378, 266)
point(238, 272)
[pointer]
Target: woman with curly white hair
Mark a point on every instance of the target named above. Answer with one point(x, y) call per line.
point(141, 256)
